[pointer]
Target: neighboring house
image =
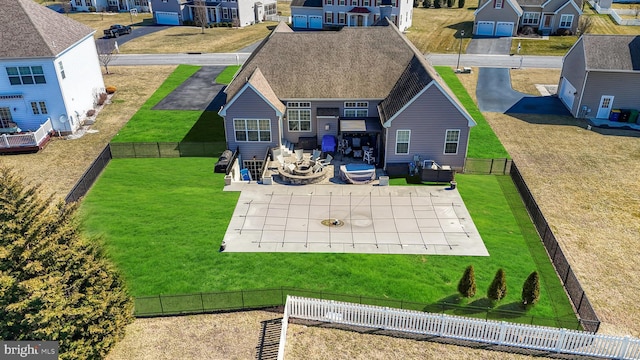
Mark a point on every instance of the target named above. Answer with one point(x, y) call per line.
point(240, 12)
point(111, 5)
point(507, 17)
point(364, 83)
point(601, 73)
point(49, 68)
point(316, 14)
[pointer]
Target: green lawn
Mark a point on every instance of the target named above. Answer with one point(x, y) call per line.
point(227, 74)
point(163, 220)
point(483, 142)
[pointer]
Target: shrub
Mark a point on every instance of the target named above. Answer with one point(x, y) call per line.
point(563, 32)
point(416, 3)
point(527, 30)
point(461, 4)
point(92, 9)
point(531, 290)
point(498, 288)
point(450, 3)
point(427, 3)
point(102, 98)
point(467, 284)
point(91, 112)
point(437, 4)
point(110, 89)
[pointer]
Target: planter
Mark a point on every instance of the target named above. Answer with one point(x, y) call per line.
point(227, 180)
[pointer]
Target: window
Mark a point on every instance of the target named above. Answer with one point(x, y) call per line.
point(566, 21)
point(451, 140)
point(403, 138)
point(342, 2)
point(39, 107)
point(62, 74)
point(25, 75)
point(375, 18)
point(530, 18)
point(5, 117)
point(78, 2)
point(225, 13)
point(299, 116)
point(270, 9)
point(356, 109)
point(328, 17)
point(497, 4)
point(328, 2)
point(366, 3)
point(252, 129)
point(341, 18)
point(378, 2)
point(234, 13)
point(87, 2)
point(354, 2)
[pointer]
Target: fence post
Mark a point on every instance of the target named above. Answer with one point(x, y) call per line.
point(504, 168)
point(503, 332)
point(161, 307)
point(242, 297)
point(623, 349)
point(491, 167)
point(560, 341)
point(202, 302)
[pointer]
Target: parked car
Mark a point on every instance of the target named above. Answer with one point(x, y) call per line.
point(117, 30)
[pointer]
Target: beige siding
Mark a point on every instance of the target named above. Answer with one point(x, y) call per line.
point(573, 69)
point(428, 118)
point(624, 86)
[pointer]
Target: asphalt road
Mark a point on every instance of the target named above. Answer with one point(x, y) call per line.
point(494, 61)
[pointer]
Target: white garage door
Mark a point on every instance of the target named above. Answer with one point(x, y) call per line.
point(300, 21)
point(315, 22)
point(167, 18)
point(485, 28)
point(504, 29)
point(567, 93)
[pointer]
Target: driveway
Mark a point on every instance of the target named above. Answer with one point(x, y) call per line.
point(494, 91)
point(199, 92)
point(138, 31)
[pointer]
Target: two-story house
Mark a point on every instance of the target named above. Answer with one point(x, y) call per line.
point(364, 84)
point(316, 14)
point(506, 17)
point(240, 12)
point(111, 5)
point(49, 68)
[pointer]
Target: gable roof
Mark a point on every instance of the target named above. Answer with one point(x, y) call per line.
point(28, 29)
point(307, 3)
point(512, 3)
point(612, 52)
point(563, 5)
point(261, 85)
point(341, 65)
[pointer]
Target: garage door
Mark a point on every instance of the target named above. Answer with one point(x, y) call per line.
point(167, 18)
point(315, 22)
point(567, 93)
point(300, 21)
point(504, 29)
point(485, 28)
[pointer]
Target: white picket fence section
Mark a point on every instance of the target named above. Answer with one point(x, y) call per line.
point(457, 327)
point(31, 139)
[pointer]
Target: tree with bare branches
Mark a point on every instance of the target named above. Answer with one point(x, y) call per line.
point(200, 14)
point(585, 24)
point(106, 53)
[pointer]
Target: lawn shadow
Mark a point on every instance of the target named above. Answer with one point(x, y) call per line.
point(481, 304)
point(467, 26)
point(515, 307)
point(145, 22)
point(542, 105)
point(454, 299)
point(208, 128)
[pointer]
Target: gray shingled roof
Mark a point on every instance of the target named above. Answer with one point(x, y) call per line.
point(306, 3)
point(28, 29)
point(612, 52)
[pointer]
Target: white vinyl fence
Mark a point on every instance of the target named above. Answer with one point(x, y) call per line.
point(457, 327)
point(31, 139)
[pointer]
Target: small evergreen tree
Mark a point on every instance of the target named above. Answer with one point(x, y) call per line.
point(461, 4)
point(531, 289)
point(426, 3)
point(467, 284)
point(450, 3)
point(437, 4)
point(498, 288)
point(54, 285)
point(416, 3)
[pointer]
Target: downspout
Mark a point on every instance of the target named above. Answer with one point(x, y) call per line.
point(584, 85)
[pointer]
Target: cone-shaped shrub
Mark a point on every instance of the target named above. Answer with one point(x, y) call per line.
point(498, 288)
point(531, 289)
point(467, 284)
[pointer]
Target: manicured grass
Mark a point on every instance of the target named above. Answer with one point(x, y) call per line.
point(227, 74)
point(163, 221)
point(483, 142)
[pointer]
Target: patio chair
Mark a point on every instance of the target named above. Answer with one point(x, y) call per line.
point(325, 162)
point(280, 159)
point(299, 155)
point(368, 156)
point(316, 155)
point(317, 167)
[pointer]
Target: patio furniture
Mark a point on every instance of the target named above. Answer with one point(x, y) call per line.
point(316, 155)
point(358, 173)
point(328, 143)
point(325, 162)
point(368, 156)
point(299, 155)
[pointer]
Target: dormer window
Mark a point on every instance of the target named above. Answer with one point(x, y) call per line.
point(497, 4)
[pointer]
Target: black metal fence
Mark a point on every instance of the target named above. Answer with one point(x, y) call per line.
point(165, 305)
point(87, 179)
point(167, 149)
point(487, 166)
point(588, 317)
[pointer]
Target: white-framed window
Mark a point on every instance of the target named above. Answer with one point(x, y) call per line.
point(403, 139)
point(299, 116)
point(26, 75)
point(497, 4)
point(566, 20)
point(270, 9)
point(225, 13)
point(378, 2)
point(78, 2)
point(342, 18)
point(356, 109)
point(328, 17)
point(62, 74)
point(39, 107)
point(530, 18)
point(354, 2)
point(342, 2)
point(5, 117)
point(366, 3)
point(328, 2)
point(234, 13)
point(252, 129)
point(451, 141)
